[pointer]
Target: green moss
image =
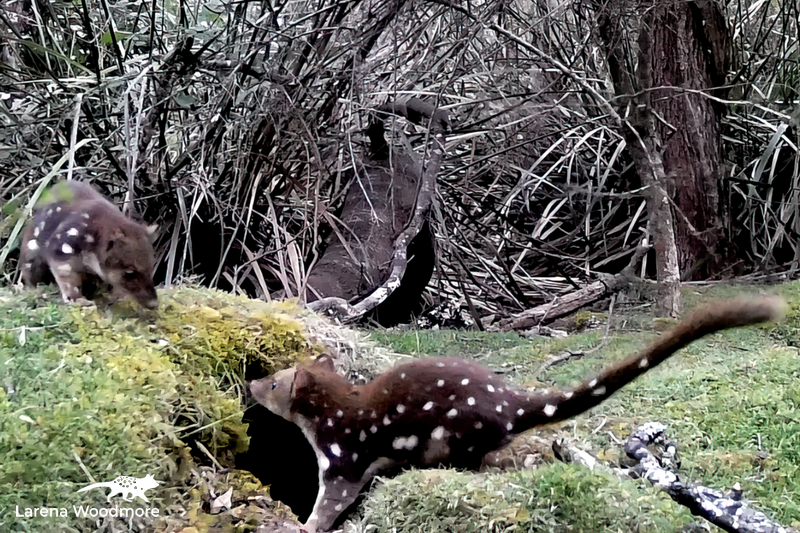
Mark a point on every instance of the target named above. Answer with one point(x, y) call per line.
point(107, 392)
point(553, 498)
point(584, 319)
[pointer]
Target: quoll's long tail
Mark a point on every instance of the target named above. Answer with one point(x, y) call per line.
point(545, 407)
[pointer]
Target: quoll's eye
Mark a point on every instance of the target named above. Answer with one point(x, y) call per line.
point(273, 385)
point(130, 275)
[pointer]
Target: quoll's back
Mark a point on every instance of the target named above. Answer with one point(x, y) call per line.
point(79, 238)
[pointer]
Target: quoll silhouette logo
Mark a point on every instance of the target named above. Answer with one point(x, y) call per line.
point(129, 487)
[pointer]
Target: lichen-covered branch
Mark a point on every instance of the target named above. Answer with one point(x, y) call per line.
point(725, 510)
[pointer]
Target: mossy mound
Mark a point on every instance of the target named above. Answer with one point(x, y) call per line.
point(553, 498)
point(93, 392)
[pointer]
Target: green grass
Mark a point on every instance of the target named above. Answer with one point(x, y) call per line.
point(731, 401)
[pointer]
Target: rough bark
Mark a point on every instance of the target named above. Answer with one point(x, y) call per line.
point(686, 43)
point(644, 129)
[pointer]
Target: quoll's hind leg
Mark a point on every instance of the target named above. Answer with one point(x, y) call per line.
point(68, 280)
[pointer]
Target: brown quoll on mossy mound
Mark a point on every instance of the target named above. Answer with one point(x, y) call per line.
point(93, 392)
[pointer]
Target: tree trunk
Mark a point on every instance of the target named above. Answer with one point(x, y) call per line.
point(672, 129)
point(686, 45)
point(643, 143)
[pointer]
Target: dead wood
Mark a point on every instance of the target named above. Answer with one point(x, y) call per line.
point(385, 209)
point(728, 510)
point(571, 302)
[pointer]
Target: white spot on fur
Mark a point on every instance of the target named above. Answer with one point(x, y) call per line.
point(451, 397)
point(520, 412)
point(66, 248)
point(360, 412)
point(347, 431)
point(362, 436)
point(33, 245)
point(440, 365)
point(509, 426)
point(36, 231)
point(89, 239)
point(373, 414)
point(437, 433)
point(489, 387)
point(58, 209)
point(340, 413)
point(72, 232)
point(386, 391)
point(401, 408)
point(64, 268)
point(428, 406)
point(86, 216)
point(644, 363)
point(478, 425)
point(452, 413)
point(499, 408)
point(599, 391)
point(336, 450)
point(471, 400)
point(405, 443)
point(440, 383)
point(374, 429)
point(470, 449)
point(568, 395)
point(592, 383)
point(403, 375)
point(505, 403)
point(355, 457)
point(344, 493)
point(324, 463)
point(330, 422)
point(549, 410)
point(338, 507)
point(465, 381)
point(386, 420)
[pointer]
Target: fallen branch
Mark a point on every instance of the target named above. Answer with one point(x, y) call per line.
point(726, 510)
point(569, 303)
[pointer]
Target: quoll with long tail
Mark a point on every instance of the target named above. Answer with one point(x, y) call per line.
point(448, 411)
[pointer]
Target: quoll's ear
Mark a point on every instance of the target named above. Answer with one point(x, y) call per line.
point(324, 360)
point(303, 378)
point(151, 230)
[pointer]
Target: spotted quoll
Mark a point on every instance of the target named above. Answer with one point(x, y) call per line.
point(447, 411)
point(77, 237)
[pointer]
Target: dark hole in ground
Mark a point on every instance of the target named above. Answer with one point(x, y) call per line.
point(281, 457)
